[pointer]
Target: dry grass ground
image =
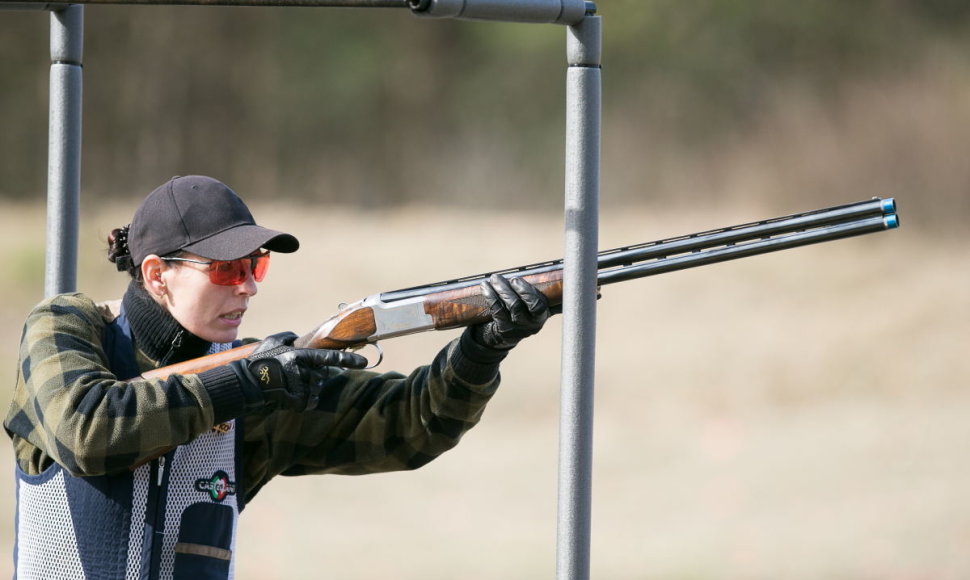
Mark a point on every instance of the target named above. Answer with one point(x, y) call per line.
point(800, 415)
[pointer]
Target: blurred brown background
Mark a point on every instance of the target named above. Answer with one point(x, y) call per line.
point(801, 415)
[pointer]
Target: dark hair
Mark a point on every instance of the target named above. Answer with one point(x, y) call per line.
point(120, 255)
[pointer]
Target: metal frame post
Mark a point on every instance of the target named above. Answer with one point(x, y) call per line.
point(64, 150)
point(583, 114)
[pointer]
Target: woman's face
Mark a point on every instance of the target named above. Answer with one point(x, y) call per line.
point(209, 311)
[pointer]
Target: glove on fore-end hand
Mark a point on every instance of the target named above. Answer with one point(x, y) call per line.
point(518, 311)
point(291, 378)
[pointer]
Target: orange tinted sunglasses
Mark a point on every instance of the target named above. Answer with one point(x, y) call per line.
point(233, 272)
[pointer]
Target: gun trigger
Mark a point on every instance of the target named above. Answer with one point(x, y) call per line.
point(380, 353)
point(342, 306)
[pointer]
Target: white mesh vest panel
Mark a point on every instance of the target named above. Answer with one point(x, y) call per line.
point(95, 527)
point(45, 537)
point(199, 508)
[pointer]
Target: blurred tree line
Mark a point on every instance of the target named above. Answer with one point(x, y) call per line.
point(377, 107)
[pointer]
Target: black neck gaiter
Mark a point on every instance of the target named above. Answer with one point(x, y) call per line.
point(156, 332)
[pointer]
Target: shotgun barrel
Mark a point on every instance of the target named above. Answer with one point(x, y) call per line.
point(735, 250)
point(720, 245)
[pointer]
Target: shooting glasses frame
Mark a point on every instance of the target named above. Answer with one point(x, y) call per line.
point(581, 204)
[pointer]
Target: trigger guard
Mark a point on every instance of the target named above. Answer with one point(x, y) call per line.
point(380, 353)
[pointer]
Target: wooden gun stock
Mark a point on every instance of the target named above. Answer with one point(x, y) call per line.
point(198, 365)
point(458, 303)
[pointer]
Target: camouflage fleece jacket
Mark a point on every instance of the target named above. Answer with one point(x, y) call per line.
point(69, 408)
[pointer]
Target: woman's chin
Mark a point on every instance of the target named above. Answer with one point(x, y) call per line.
point(220, 335)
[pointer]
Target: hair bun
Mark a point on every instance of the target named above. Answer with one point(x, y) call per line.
point(118, 251)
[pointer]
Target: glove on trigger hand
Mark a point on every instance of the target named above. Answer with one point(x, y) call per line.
point(289, 378)
point(518, 311)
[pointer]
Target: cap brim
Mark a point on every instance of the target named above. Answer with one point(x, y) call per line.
point(241, 241)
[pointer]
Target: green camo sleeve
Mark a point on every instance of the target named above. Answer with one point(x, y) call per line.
point(368, 422)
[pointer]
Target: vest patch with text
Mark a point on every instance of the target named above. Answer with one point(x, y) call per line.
point(218, 486)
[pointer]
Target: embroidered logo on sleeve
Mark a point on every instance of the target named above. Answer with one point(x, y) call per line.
point(218, 486)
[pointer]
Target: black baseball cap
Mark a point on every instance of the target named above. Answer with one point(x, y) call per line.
point(201, 215)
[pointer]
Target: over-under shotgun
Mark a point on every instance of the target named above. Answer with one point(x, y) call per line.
point(459, 302)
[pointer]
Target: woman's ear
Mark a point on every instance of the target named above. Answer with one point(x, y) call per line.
point(151, 274)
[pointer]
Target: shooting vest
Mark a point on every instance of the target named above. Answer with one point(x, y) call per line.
point(171, 518)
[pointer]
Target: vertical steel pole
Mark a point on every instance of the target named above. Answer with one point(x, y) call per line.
point(64, 150)
point(583, 104)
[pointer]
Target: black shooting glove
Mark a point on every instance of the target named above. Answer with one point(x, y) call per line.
point(518, 311)
point(290, 378)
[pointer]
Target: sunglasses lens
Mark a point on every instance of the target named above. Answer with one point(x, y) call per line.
point(233, 272)
point(260, 266)
point(227, 273)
